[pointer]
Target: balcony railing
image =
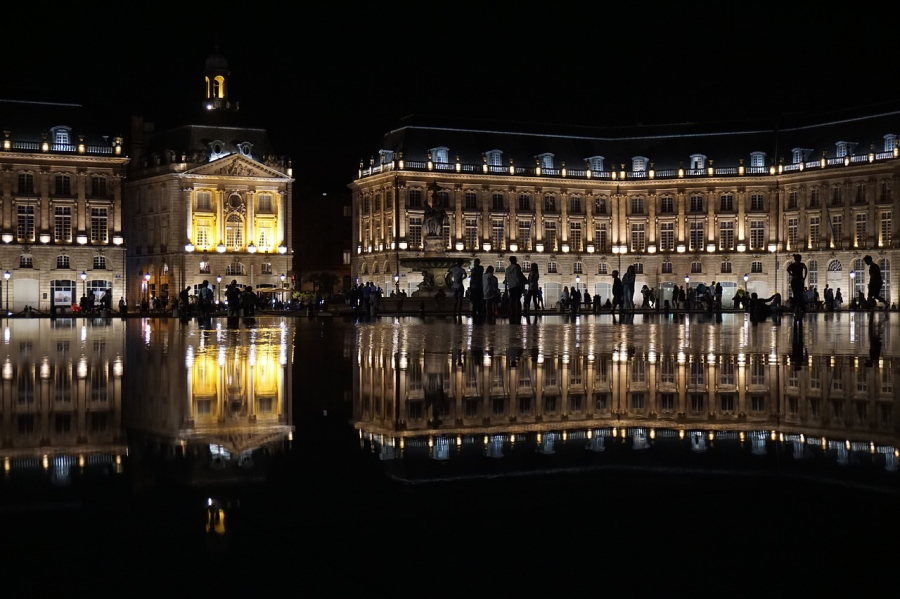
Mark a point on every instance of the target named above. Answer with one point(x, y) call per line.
point(520, 171)
point(36, 146)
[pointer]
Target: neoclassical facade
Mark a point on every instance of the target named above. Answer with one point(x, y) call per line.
point(684, 204)
point(61, 199)
point(207, 201)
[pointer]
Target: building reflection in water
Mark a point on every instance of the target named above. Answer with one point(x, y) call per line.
point(467, 404)
point(209, 405)
point(61, 398)
point(99, 395)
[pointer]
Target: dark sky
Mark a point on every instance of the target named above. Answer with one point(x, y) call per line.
point(329, 81)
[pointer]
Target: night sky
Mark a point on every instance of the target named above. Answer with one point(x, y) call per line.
point(329, 81)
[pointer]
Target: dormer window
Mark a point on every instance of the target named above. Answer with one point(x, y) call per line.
point(246, 149)
point(61, 137)
point(387, 156)
point(890, 142)
point(844, 148)
point(799, 155)
point(546, 160)
point(494, 157)
point(217, 150)
point(440, 155)
point(698, 161)
point(639, 164)
point(757, 159)
point(595, 163)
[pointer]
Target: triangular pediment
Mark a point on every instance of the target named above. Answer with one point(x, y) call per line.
point(236, 165)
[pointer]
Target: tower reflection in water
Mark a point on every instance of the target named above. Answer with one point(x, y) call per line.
point(83, 396)
point(431, 414)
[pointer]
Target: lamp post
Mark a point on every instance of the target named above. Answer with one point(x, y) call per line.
point(83, 276)
point(282, 277)
point(218, 287)
point(6, 277)
point(687, 300)
point(852, 285)
point(147, 287)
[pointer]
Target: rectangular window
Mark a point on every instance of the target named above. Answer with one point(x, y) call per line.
point(265, 204)
point(792, 233)
point(696, 237)
point(550, 203)
point(203, 237)
point(99, 225)
point(601, 239)
point(524, 235)
point(836, 196)
point(638, 242)
point(666, 205)
point(837, 229)
point(266, 236)
point(792, 201)
point(26, 184)
point(204, 201)
point(725, 268)
point(497, 201)
point(415, 232)
point(756, 267)
point(63, 185)
point(814, 232)
point(860, 240)
point(98, 186)
point(637, 205)
point(696, 267)
point(445, 234)
point(726, 203)
point(575, 204)
point(471, 201)
point(885, 193)
point(667, 268)
point(697, 203)
point(524, 202)
point(886, 229)
point(415, 201)
point(471, 233)
point(756, 201)
point(666, 236)
point(600, 205)
point(860, 193)
point(726, 235)
point(814, 197)
point(62, 223)
point(25, 224)
point(550, 236)
point(757, 234)
point(497, 237)
point(575, 237)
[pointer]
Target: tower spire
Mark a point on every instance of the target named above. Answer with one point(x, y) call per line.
point(217, 82)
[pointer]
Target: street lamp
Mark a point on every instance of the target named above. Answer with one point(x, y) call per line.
point(147, 287)
point(746, 278)
point(6, 277)
point(83, 276)
point(852, 284)
point(577, 281)
point(687, 285)
point(218, 286)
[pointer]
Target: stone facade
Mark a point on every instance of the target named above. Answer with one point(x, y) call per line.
point(708, 223)
point(61, 197)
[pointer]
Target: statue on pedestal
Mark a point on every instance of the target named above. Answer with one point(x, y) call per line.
point(435, 214)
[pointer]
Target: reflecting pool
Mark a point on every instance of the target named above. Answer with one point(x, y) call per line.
point(344, 448)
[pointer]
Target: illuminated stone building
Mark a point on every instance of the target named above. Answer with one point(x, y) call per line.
point(61, 197)
point(707, 202)
point(207, 200)
point(61, 397)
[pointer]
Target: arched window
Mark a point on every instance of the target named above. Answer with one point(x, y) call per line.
point(26, 261)
point(234, 231)
point(375, 268)
point(365, 269)
point(219, 87)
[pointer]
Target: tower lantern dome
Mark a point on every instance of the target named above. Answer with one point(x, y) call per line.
point(216, 76)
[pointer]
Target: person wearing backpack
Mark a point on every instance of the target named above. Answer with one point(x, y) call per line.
point(515, 284)
point(205, 298)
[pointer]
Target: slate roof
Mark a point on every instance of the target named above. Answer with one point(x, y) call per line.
point(26, 120)
point(667, 146)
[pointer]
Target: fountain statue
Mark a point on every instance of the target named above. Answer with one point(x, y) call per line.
point(435, 259)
